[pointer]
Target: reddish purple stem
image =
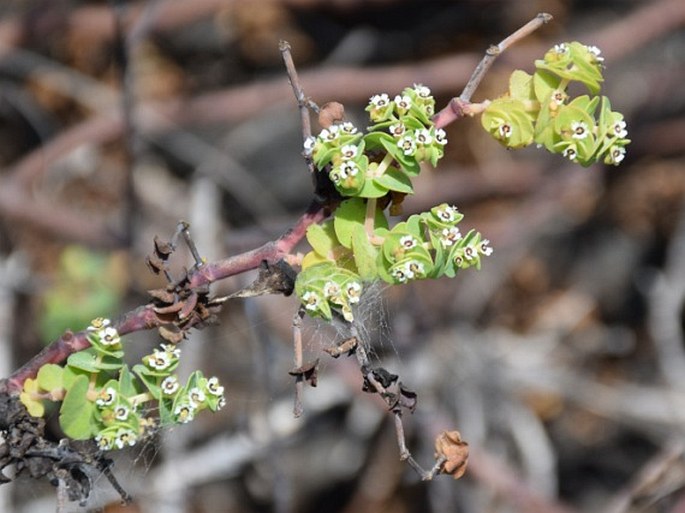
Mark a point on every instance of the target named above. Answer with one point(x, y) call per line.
point(144, 317)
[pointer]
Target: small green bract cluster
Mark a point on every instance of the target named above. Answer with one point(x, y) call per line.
point(103, 399)
point(372, 170)
point(403, 133)
point(539, 109)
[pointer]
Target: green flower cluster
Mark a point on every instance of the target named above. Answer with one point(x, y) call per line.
point(102, 399)
point(538, 109)
point(357, 246)
point(388, 155)
point(429, 245)
point(344, 255)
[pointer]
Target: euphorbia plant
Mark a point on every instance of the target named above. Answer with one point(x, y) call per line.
point(371, 171)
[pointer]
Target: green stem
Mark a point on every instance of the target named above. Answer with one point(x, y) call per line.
point(369, 219)
point(140, 398)
point(380, 170)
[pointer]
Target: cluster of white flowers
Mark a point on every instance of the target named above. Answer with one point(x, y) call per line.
point(207, 393)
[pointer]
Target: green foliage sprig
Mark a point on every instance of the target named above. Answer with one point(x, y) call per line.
point(538, 108)
point(375, 169)
point(102, 398)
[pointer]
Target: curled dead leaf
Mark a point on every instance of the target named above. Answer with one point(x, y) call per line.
point(308, 372)
point(454, 451)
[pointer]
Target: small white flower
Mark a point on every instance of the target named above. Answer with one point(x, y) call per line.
point(196, 396)
point(408, 242)
point(103, 442)
point(570, 152)
point(121, 412)
point(331, 289)
point(447, 213)
point(349, 151)
point(380, 100)
point(617, 154)
point(596, 52)
point(336, 176)
point(470, 253)
point(106, 397)
point(414, 268)
point(579, 129)
point(619, 129)
point(348, 168)
point(99, 323)
point(561, 48)
point(484, 247)
point(330, 134)
point(214, 387)
point(505, 130)
point(440, 137)
point(184, 412)
point(450, 236)
point(170, 385)
point(172, 350)
point(159, 360)
point(407, 144)
point(558, 97)
point(109, 336)
point(403, 102)
point(399, 274)
point(397, 130)
point(309, 144)
point(353, 290)
point(221, 403)
point(422, 90)
point(125, 437)
point(311, 300)
point(423, 136)
point(348, 128)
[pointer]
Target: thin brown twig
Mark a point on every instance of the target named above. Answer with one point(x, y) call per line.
point(396, 409)
point(460, 106)
point(303, 103)
point(298, 360)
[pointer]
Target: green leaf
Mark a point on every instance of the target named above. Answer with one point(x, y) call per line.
point(373, 140)
point(348, 215)
point(148, 379)
point(50, 377)
point(372, 189)
point(127, 382)
point(365, 254)
point(165, 412)
point(407, 162)
point(110, 363)
point(85, 360)
point(76, 413)
point(521, 85)
point(322, 238)
point(395, 180)
point(35, 407)
point(544, 84)
point(323, 157)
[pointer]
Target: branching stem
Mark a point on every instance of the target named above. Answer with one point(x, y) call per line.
point(460, 106)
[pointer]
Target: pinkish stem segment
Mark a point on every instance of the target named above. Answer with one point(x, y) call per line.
point(144, 317)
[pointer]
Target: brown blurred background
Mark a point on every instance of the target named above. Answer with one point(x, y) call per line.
point(561, 362)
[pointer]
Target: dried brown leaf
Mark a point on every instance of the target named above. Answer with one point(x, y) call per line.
point(450, 447)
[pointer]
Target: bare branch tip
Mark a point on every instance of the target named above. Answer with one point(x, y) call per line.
point(545, 17)
point(283, 45)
